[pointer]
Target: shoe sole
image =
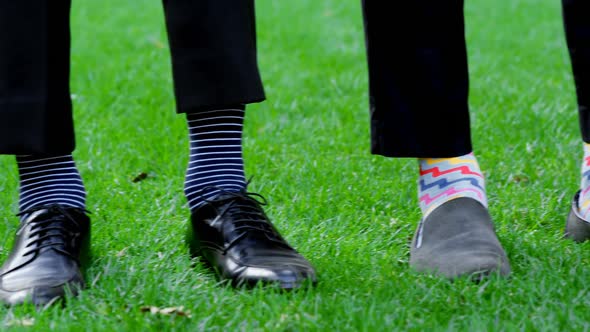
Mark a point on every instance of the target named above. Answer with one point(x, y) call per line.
point(238, 282)
point(42, 296)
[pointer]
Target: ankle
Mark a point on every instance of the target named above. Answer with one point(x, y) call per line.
point(445, 179)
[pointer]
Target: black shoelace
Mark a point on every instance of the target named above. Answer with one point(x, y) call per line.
point(246, 213)
point(57, 231)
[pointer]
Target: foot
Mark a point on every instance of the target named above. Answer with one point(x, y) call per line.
point(458, 239)
point(577, 228)
point(50, 245)
point(234, 235)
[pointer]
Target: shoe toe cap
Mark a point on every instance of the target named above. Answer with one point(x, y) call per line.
point(41, 294)
point(40, 281)
point(473, 263)
point(288, 273)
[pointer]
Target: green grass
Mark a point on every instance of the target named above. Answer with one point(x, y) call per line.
point(307, 148)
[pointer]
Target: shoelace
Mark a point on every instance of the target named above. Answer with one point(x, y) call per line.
point(246, 213)
point(52, 232)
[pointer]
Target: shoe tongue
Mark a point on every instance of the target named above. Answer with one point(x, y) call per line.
point(56, 237)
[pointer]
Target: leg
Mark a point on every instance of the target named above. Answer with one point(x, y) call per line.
point(35, 101)
point(419, 85)
point(37, 125)
point(214, 60)
point(419, 108)
point(577, 32)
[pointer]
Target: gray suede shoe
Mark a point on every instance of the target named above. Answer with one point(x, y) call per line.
point(576, 228)
point(458, 239)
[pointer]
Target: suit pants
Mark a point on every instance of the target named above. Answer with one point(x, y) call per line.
point(418, 75)
point(214, 64)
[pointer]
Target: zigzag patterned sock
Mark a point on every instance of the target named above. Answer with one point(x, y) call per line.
point(584, 199)
point(444, 179)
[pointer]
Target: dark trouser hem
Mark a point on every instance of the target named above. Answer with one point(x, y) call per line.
point(388, 143)
point(29, 129)
point(201, 106)
point(216, 108)
point(584, 117)
point(418, 78)
point(217, 81)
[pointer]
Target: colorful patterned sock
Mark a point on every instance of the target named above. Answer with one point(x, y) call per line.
point(584, 199)
point(444, 179)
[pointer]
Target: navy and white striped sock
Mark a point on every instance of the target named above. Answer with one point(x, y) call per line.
point(49, 180)
point(215, 161)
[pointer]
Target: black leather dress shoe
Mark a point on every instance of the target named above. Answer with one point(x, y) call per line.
point(50, 246)
point(233, 234)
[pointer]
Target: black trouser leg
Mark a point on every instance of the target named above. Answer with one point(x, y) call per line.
point(576, 16)
point(35, 106)
point(418, 78)
point(213, 47)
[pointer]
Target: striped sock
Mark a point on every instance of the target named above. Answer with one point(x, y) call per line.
point(584, 199)
point(215, 161)
point(444, 179)
point(49, 180)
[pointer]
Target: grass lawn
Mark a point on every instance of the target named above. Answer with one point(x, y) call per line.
point(307, 147)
